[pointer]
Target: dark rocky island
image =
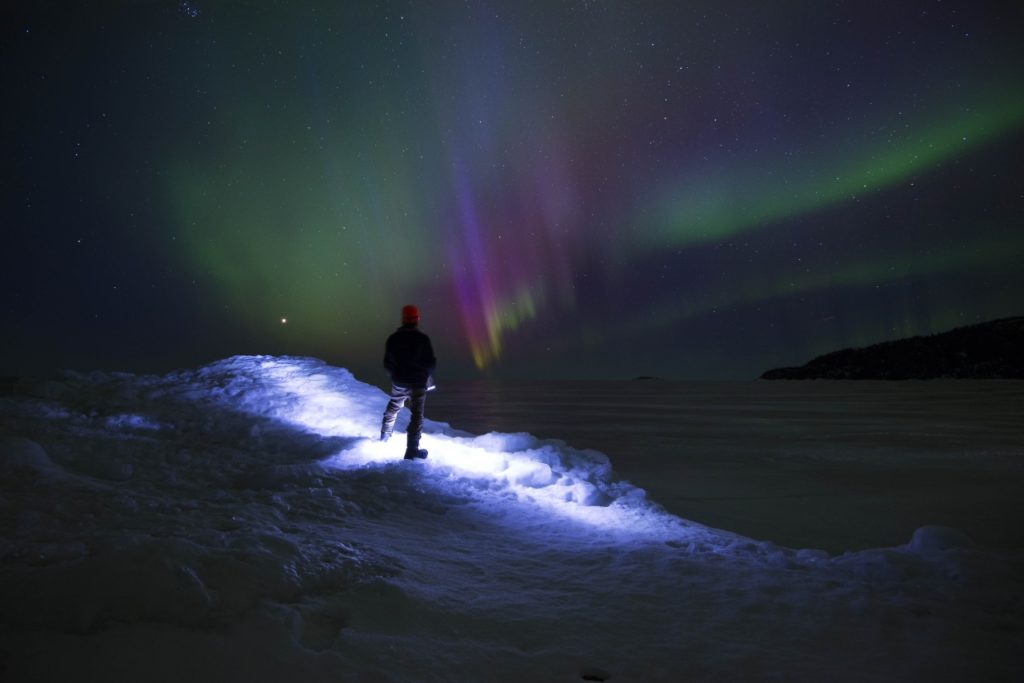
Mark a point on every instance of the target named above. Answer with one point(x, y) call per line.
point(992, 350)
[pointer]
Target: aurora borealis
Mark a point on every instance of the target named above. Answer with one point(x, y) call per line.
point(565, 189)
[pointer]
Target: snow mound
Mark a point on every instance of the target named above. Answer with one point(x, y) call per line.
point(548, 475)
point(932, 539)
point(20, 456)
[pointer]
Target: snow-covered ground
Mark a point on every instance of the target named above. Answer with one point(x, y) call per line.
point(240, 522)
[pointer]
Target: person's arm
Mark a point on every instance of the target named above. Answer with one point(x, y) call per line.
point(389, 361)
point(429, 361)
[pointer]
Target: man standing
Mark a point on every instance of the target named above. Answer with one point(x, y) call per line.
point(409, 359)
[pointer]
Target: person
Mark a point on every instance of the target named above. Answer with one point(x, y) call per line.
point(409, 360)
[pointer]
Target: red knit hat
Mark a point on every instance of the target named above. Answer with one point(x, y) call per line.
point(410, 315)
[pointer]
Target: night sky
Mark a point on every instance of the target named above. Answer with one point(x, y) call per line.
point(589, 189)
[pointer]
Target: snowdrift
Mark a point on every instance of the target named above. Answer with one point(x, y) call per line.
point(241, 521)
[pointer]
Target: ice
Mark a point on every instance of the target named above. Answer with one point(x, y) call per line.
point(241, 521)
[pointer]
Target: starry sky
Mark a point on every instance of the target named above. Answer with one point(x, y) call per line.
point(577, 189)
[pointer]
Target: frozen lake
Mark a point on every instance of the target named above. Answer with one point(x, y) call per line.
point(816, 464)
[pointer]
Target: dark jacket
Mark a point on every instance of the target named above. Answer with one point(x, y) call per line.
point(409, 357)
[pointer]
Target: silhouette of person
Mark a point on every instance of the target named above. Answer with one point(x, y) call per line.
point(409, 360)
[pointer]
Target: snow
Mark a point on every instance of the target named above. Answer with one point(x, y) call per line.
point(240, 521)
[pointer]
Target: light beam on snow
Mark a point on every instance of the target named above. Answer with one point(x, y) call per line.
point(497, 469)
point(523, 470)
point(317, 406)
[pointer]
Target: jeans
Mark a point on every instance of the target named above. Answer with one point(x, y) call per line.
point(417, 401)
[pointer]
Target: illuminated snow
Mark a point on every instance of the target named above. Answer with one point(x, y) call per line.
point(241, 521)
point(516, 468)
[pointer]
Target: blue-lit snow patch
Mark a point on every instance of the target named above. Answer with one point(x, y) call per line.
point(499, 469)
point(519, 469)
point(128, 421)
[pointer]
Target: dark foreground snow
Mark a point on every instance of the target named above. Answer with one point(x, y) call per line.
point(239, 522)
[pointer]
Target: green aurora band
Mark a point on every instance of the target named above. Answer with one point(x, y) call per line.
point(737, 199)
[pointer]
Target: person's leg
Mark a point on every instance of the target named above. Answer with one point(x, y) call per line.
point(417, 404)
point(399, 395)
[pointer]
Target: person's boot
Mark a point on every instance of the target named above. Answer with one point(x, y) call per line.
point(412, 448)
point(384, 435)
